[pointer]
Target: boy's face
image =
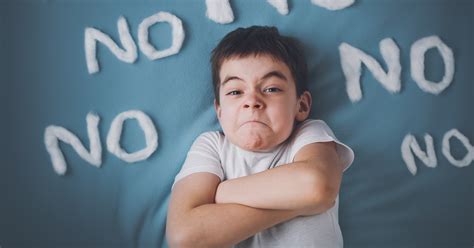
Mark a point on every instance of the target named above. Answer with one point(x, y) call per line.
point(258, 102)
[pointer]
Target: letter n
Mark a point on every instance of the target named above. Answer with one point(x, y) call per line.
point(353, 58)
point(53, 134)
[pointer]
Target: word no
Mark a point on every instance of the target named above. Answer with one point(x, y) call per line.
point(220, 11)
point(353, 58)
point(410, 146)
point(129, 52)
point(53, 134)
point(217, 10)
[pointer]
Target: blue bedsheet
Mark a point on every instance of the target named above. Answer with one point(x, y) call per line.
point(383, 203)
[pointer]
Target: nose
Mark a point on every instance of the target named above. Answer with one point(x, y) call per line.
point(253, 101)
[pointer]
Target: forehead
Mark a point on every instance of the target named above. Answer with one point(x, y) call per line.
point(253, 66)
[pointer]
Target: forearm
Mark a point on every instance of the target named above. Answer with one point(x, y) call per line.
point(284, 187)
point(223, 225)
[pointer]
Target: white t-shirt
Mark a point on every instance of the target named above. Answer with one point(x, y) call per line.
point(212, 152)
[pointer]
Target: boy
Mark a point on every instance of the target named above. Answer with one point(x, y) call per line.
point(271, 178)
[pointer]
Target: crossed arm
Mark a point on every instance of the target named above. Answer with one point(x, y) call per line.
point(205, 213)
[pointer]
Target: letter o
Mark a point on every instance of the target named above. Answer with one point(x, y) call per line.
point(417, 60)
point(113, 137)
point(447, 149)
point(177, 35)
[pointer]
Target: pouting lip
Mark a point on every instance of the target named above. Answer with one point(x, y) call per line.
point(252, 121)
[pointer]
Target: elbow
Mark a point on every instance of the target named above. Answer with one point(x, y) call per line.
point(328, 198)
point(184, 241)
point(178, 238)
point(174, 239)
point(173, 242)
point(185, 237)
point(177, 235)
point(323, 194)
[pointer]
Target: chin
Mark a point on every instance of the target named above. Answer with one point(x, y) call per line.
point(254, 140)
point(255, 145)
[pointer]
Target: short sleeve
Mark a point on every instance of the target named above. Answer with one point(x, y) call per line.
point(203, 156)
point(312, 131)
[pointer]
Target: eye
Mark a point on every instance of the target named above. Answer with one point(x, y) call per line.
point(272, 90)
point(233, 93)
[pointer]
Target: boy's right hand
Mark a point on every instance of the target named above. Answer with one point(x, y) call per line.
point(314, 210)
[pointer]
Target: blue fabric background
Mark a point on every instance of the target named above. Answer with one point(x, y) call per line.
point(44, 81)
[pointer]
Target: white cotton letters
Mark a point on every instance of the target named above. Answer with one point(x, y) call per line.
point(280, 5)
point(221, 12)
point(333, 4)
point(92, 36)
point(113, 138)
point(417, 58)
point(178, 35)
point(53, 134)
point(410, 146)
point(353, 58)
point(129, 53)
point(447, 149)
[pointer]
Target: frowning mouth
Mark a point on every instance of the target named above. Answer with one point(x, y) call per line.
point(253, 122)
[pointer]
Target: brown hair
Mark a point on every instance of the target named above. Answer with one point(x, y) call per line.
point(260, 40)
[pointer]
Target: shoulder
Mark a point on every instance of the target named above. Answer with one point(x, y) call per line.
point(211, 139)
point(203, 156)
point(312, 127)
point(313, 131)
point(211, 135)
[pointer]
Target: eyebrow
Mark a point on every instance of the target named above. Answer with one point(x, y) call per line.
point(228, 78)
point(274, 74)
point(265, 77)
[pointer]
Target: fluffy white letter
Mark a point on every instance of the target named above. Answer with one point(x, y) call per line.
point(333, 4)
point(113, 138)
point(54, 133)
point(447, 149)
point(219, 11)
point(428, 157)
point(351, 62)
point(417, 59)
point(280, 5)
point(177, 30)
point(92, 35)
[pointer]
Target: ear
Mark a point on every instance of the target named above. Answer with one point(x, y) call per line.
point(217, 108)
point(304, 106)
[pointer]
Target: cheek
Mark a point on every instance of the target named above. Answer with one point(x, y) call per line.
point(226, 108)
point(284, 109)
point(227, 115)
